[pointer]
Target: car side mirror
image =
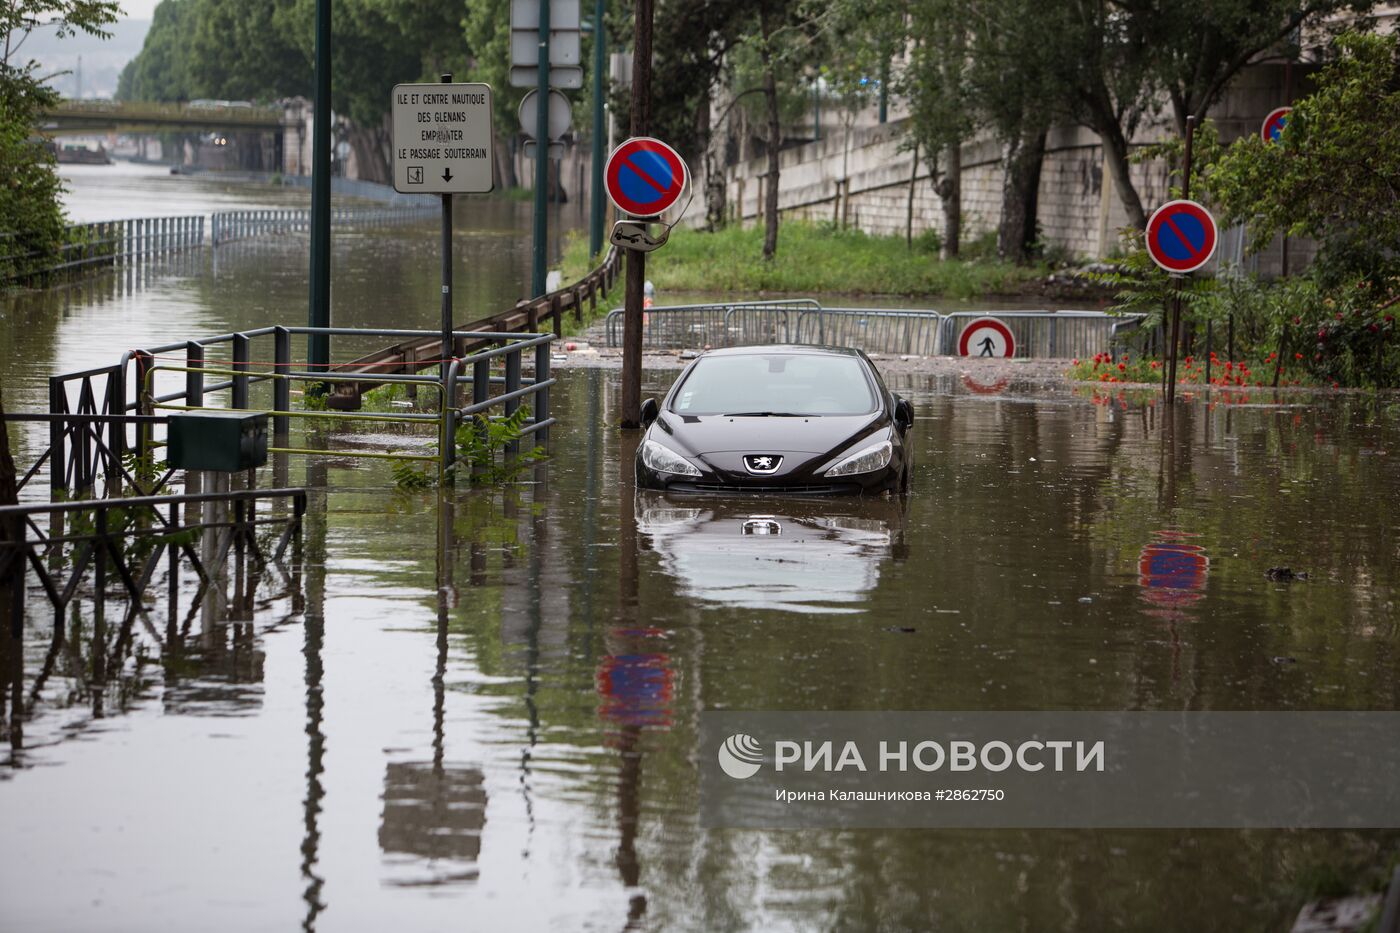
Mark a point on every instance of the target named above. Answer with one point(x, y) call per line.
point(903, 413)
point(650, 411)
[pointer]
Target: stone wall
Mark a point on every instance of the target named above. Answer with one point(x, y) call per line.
point(863, 179)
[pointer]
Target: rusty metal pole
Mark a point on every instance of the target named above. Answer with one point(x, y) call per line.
point(1176, 297)
point(636, 260)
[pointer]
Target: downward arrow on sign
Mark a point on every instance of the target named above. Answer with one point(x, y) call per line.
point(447, 174)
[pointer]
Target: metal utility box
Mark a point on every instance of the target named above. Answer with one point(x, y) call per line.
point(217, 440)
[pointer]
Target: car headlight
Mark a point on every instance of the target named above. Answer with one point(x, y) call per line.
point(865, 460)
point(665, 460)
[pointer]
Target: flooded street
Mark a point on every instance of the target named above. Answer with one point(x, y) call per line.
point(480, 710)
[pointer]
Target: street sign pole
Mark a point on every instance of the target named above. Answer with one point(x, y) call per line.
point(633, 296)
point(1176, 288)
point(538, 268)
point(442, 144)
point(318, 349)
point(446, 285)
point(600, 51)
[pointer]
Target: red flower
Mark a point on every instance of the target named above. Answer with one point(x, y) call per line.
point(1297, 356)
point(1122, 367)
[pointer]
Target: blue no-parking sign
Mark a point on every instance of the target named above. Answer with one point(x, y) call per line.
point(1181, 236)
point(644, 176)
point(1274, 124)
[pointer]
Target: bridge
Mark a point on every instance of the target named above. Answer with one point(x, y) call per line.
point(87, 116)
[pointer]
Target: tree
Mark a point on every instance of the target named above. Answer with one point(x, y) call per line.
point(784, 43)
point(160, 70)
point(1117, 58)
point(31, 218)
point(934, 82)
point(691, 41)
point(1333, 175)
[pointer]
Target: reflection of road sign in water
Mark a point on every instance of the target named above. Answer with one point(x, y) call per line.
point(1172, 572)
point(1274, 123)
point(982, 388)
point(986, 336)
point(1181, 236)
point(644, 176)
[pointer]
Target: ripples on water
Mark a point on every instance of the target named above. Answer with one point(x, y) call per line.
point(486, 707)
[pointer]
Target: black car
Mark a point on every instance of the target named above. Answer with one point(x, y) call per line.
point(791, 419)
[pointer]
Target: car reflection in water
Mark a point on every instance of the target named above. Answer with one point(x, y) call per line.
point(797, 554)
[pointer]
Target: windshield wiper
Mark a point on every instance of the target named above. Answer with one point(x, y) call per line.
point(762, 414)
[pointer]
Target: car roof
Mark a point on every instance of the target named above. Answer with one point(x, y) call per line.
point(788, 348)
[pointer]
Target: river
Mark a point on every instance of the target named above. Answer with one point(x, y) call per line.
point(483, 713)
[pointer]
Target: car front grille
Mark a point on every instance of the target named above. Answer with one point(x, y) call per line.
point(826, 489)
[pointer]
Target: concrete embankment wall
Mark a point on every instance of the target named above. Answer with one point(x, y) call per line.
point(862, 179)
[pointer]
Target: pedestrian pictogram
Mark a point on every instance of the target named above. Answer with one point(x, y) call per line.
point(987, 336)
point(645, 176)
point(1274, 124)
point(1181, 236)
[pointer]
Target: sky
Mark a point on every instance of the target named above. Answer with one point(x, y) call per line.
point(139, 9)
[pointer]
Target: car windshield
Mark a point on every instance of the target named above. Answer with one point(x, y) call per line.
point(776, 384)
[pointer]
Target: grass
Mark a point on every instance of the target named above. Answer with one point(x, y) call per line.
point(815, 258)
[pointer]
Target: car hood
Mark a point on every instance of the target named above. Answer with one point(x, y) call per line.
point(699, 435)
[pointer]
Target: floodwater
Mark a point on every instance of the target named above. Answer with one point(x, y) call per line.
point(481, 711)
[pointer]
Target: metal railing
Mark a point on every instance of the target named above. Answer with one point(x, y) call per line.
point(96, 420)
point(87, 534)
point(103, 243)
point(1045, 334)
point(715, 325)
point(104, 416)
point(1042, 334)
point(228, 226)
point(874, 330)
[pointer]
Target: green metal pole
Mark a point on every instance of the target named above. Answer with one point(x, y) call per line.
point(541, 158)
point(319, 345)
point(600, 46)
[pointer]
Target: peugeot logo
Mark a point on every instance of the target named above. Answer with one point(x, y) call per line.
point(762, 464)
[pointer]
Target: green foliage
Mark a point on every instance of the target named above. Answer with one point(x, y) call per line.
point(414, 475)
point(821, 258)
point(928, 243)
point(313, 396)
point(1333, 175)
point(31, 218)
point(144, 469)
point(481, 445)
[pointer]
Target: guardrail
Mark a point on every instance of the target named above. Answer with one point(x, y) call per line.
point(97, 419)
point(1052, 334)
point(103, 417)
point(228, 226)
point(716, 325)
point(103, 243)
point(875, 330)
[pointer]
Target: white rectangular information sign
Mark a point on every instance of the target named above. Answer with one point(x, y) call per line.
point(442, 138)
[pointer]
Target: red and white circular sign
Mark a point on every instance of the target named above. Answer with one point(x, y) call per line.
point(1274, 124)
point(644, 176)
point(986, 336)
point(1181, 236)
